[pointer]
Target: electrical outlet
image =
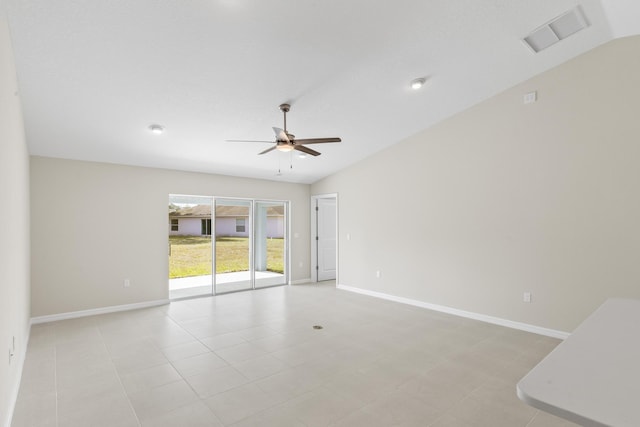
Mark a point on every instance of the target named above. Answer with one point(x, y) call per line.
point(526, 297)
point(127, 283)
point(378, 274)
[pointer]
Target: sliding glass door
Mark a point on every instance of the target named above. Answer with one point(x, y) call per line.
point(190, 248)
point(233, 245)
point(269, 243)
point(249, 249)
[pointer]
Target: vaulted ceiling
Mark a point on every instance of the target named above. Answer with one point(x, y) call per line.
point(94, 75)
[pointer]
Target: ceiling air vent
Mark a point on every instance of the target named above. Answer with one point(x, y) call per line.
point(557, 29)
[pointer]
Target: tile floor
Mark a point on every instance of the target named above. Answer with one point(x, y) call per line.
point(254, 359)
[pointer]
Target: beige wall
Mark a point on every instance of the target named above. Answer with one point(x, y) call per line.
point(542, 198)
point(14, 229)
point(95, 224)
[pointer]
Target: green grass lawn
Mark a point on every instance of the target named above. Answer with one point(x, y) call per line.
point(191, 255)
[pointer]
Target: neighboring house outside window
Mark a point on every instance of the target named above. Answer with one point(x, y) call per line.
point(230, 221)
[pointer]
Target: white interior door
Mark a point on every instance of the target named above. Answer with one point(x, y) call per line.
point(326, 229)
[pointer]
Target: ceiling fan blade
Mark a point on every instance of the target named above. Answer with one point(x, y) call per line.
point(317, 140)
point(267, 150)
point(306, 150)
point(281, 135)
point(245, 140)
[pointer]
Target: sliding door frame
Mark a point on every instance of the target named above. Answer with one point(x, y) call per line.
point(252, 240)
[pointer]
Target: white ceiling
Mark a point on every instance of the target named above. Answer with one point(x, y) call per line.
point(93, 75)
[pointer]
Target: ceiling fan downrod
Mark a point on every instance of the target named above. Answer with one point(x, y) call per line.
point(285, 109)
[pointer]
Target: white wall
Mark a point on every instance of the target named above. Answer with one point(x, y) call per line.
point(543, 198)
point(95, 224)
point(14, 229)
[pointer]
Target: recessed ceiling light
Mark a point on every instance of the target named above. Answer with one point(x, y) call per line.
point(157, 129)
point(302, 155)
point(417, 83)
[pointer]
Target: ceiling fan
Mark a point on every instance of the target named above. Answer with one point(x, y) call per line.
point(288, 142)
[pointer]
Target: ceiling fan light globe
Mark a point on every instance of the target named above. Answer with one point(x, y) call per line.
point(285, 147)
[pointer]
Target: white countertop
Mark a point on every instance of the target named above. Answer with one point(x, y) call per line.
point(593, 377)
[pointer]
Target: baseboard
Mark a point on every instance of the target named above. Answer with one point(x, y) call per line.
point(13, 396)
point(468, 314)
point(299, 282)
point(94, 311)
